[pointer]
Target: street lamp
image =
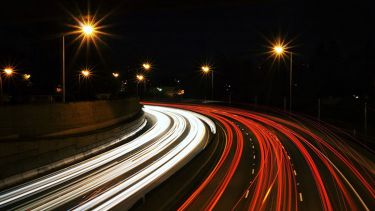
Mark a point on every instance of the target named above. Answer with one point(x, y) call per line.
point(140, 78)
point(146, 66)
point(279, 50)
point(206, 70)
point(87, 30)
point(85, 74)
point(8, 71)
point(116, 75)
point(26, 76)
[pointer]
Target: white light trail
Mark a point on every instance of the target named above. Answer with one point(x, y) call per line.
point(161, 150)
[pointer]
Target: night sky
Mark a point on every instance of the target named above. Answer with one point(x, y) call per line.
point(332, 43)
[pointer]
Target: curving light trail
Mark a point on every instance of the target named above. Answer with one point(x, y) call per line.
point(295, 163)
point(123, 174)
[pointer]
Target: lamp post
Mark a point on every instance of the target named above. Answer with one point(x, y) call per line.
point(87, 30)
point(280, 50)
point(85, 74)
point(8, 71)
point(140, 78)
point(147, 67)
point(206, 69)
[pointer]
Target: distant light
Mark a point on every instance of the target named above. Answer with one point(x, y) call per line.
point(26, 76)
point(159, 89)
point(355, 96)
point(140, 78)
point(116, 75)
point(58, 90)
point(181, 92)
point(8, 71)
point(86, 73)
point(206, 68)
point(147, 66)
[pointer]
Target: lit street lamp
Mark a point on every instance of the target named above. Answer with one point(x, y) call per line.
point(207, 69)
point(26, 76)
point(140, 78)
point(8, 71)
point(87, 30)
point(116, 75)
point(146, 66)
point(279, 50)
point(85, 74)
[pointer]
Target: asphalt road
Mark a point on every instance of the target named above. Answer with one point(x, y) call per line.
point(120, 175)
point(278, 162)
point(254, 161)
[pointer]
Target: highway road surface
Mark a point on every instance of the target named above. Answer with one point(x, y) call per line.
point(254, 161)
point(123, 174)
point(279, 162)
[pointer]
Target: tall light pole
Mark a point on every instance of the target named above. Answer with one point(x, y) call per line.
point(85, 74)
point(140, 78)
point(147, 67)
point(8, 71)
point(280, 50)
point(86, 30)
point(207, 69)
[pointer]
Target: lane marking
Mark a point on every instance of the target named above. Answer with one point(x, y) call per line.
point(295, 173)
point(247, 194)
point(254, 157)
point(300, 197)
point(252, 172)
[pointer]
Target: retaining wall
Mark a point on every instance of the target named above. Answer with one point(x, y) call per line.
point(23, 121)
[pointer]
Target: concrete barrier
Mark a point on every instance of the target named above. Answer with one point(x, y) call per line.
point(24, 121)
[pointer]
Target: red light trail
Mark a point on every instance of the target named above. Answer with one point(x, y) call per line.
point(332, 174)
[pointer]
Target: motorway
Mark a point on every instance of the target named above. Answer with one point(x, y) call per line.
point(212, 157)
point(123, 174)
point(276, 162)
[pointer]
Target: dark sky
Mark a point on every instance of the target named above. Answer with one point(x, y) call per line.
point(333, 43)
